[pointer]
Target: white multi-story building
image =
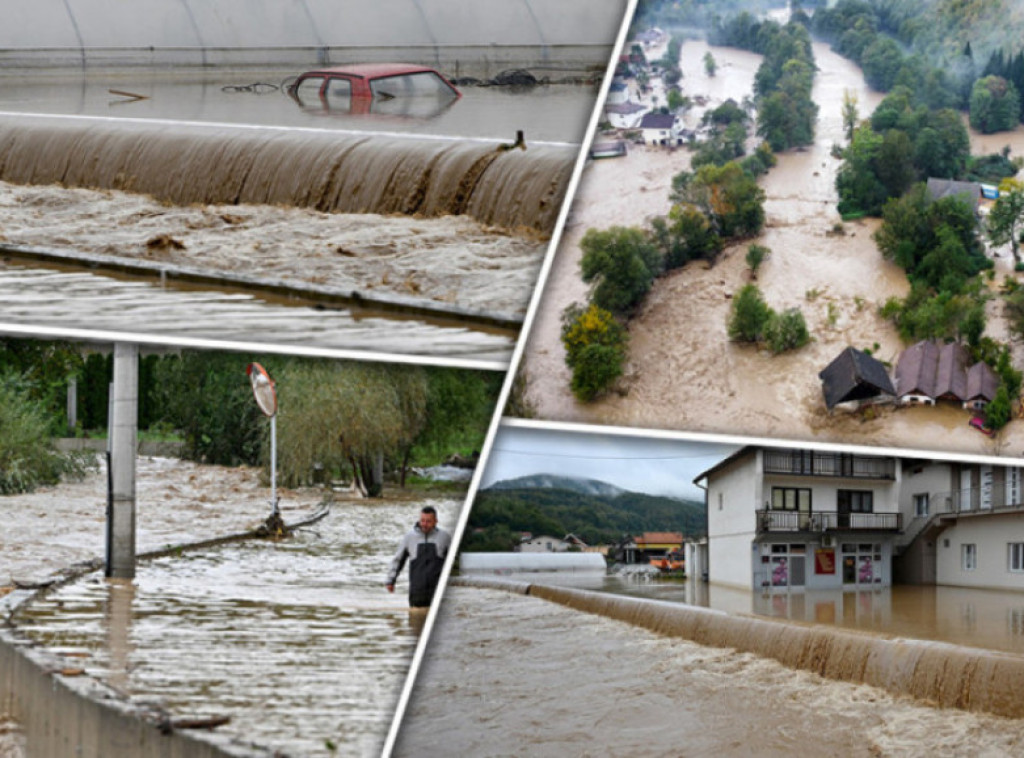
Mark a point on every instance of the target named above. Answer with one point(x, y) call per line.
point(788, 519)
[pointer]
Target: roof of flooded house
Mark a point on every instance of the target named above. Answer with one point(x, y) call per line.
point(657, 121)
point(623, 108)
point(941, 371)
point(854, 375)
point(982, 382)
point(660, 538)
point(940, 188)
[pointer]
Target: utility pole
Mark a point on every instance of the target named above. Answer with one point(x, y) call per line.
point(122, 435)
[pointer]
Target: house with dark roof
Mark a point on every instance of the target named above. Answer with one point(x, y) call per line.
point(659, 129)
point(969, 192)
point(854, 376)
point(927, 372)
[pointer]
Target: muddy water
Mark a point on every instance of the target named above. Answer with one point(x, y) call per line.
point(555, 113)
point(680, 356)
point(445, 260)
point(105, 303)
point(296, 641)
point(330, 171)
point(496, 683)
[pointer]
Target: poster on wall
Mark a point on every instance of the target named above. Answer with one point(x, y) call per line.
point(825, 561)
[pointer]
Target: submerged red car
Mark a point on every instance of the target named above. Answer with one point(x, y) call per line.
point(979, 424)
point(386, 88)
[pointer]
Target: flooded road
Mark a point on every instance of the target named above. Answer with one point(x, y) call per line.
point(296, 641)
point(76, 300)
point(430, 209)
point(552, 113)
point(496, 683)
point(990, 619)
point(680, 356)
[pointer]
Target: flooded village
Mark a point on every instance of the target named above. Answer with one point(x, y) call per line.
point(680, 354)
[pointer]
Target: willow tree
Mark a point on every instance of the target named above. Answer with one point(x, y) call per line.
point(347, 416)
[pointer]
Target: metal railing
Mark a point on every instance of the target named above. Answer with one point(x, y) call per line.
point(811, 463)
point(827, 521)
point(996, 496)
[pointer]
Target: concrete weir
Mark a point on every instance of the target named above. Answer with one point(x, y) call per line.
point(938, 673)
point(64, 712)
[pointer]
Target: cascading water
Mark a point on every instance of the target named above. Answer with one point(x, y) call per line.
point(946, 675)
point(329, 171)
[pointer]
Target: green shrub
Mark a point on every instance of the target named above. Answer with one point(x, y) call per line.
point(595, 349)
point(786, 331)
point(749, 315)
point(27, 458)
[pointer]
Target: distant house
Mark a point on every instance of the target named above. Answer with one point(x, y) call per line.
point(969, 192)
point(543, 544)
point(618, 93)
point(927, 372)
point(651, 37)
point(852, 377)
point(624, 115)
point(656, 544)
point(659, 129)
point(547, 544)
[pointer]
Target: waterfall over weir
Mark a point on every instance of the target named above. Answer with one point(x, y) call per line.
point(936, 672)
point(185, 163)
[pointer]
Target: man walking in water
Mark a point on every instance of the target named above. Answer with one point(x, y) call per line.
point(426, 546)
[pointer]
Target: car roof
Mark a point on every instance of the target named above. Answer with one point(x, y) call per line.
point(373, 70)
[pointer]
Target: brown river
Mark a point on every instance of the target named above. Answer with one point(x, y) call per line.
point(683, 372)
point(511, 674)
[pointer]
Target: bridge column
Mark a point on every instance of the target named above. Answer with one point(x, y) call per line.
point(122, 444)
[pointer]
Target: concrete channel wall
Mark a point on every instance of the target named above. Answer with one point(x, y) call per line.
point(475, 36)
point(63, 712)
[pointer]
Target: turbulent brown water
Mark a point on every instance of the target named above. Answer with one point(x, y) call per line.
point(329, 171)
point(511, 675)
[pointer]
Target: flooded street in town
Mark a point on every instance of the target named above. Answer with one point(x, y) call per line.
point(680, 356)
point(296, 640)
point(496, 683)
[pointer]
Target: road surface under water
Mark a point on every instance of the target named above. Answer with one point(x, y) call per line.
point(991, 619)
point(449, 259)
point(511, 674)
point(550, 113)
point(297, 640)
point(680, 355)
point(54, 298)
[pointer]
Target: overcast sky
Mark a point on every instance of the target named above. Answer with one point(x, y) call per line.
point(654, 466)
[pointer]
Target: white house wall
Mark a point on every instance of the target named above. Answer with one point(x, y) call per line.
point(733, 499)
point(825, 491)
point(991, 533)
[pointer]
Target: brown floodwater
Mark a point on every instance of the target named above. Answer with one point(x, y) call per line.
point(683, 372)
point(427, 208)
point(74, 300)
point(297, 641)
point(511, 674)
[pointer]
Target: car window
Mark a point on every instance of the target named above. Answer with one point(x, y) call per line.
point(339, 93)
point(423, 84)
point(308, 90)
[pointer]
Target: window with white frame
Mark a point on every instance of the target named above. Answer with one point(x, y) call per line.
point(968, 557)
point(1016, 550)
point(921, 505)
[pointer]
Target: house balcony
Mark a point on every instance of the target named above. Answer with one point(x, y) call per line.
point(839, 465)
point(827, 521)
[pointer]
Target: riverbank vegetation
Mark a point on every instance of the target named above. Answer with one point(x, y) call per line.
point(336, 420)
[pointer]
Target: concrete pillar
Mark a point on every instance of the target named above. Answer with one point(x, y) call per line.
point(123, 431)
point(72, 405)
